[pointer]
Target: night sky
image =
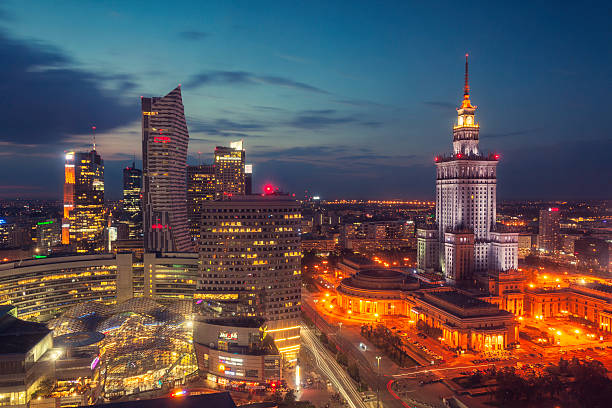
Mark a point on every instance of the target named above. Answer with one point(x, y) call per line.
point(347, 99)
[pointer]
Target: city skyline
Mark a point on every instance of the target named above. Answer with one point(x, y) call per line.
point(325, 104)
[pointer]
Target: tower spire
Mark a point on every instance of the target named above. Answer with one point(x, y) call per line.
point(93, 131)
point(466, 87)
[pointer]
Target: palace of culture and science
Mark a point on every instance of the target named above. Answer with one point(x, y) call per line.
point(465, 241)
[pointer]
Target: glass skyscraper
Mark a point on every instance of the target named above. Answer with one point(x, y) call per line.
point(164, 153)
point(132, 186)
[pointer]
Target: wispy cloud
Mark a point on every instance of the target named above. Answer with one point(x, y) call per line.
point(317, 119)
point(193, 35)
point(248, 78)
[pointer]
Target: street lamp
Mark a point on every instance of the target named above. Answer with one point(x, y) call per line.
point(378, 382)
point(340, 327)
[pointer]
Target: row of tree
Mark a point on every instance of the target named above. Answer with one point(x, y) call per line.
point(387, 341)
point(573, 383)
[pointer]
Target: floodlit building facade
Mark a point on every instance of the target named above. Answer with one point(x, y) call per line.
point(236, 352)
point(229, 170)
point(42, 288)
point(164, 151)
point(250, 259)
point(466, 240)
point(84, 214)
point(200, 187)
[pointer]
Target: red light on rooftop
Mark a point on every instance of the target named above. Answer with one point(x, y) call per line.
point(554, 209)
point(496, 157)
point(459, 155)
point(269, 189)
point(436, 159)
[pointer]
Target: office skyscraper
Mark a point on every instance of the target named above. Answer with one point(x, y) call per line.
point(84, 214)
point(250, 259)
point(466, 239)
point(229, 170)
point(200, 188)
point(164, 153)
point(132, 186)
point(549, 238)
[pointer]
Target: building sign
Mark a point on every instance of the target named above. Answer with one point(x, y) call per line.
point(225, 335)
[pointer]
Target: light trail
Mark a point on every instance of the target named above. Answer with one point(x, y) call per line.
point(441, 369)
point(332, 370)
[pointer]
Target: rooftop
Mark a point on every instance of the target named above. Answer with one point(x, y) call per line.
point(460, 299)
point(19, 336)
point(248, 322)
point(217, 400)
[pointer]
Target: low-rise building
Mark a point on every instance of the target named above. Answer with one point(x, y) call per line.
point(236, 352)
point(25, 358)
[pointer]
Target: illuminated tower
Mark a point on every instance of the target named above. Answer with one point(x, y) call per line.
point(200, 188)
point(466, 239)
point(229, 170)
point(84, 213)
point(132, 186)
point(250, 261)
point(69, 180)
point(164, 153)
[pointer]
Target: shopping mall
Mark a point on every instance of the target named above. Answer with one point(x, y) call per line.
point(41, 289)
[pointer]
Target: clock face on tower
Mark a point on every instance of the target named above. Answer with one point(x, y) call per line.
point(460, 121)
point(468, 120)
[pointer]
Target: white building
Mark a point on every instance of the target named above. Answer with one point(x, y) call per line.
point(466, 238)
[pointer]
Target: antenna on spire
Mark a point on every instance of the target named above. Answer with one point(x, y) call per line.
point(199, 158)
point(134, 160)
point(93, 131)
point(466, 87)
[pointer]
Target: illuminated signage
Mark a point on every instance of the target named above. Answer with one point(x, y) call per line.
point(236, 145)
point(45, 222)
point(248, 168)
point(69, 156)
point(150, 113)
point(161, 139)
point(224, 335)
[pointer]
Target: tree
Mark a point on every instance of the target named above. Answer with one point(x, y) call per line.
point(353, 371)
point(342, 359)
point(289, 398)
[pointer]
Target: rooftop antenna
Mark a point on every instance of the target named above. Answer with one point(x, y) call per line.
point(199, 158)
point(134, 160)
point(93, 131)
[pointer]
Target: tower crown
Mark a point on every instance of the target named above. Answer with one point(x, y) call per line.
point(465, 132)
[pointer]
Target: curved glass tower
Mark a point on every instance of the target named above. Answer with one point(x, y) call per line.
point(164, 154)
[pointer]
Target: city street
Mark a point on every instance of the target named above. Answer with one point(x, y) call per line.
point(331, 369)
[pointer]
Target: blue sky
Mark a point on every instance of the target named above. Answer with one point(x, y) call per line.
point(344, 98)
